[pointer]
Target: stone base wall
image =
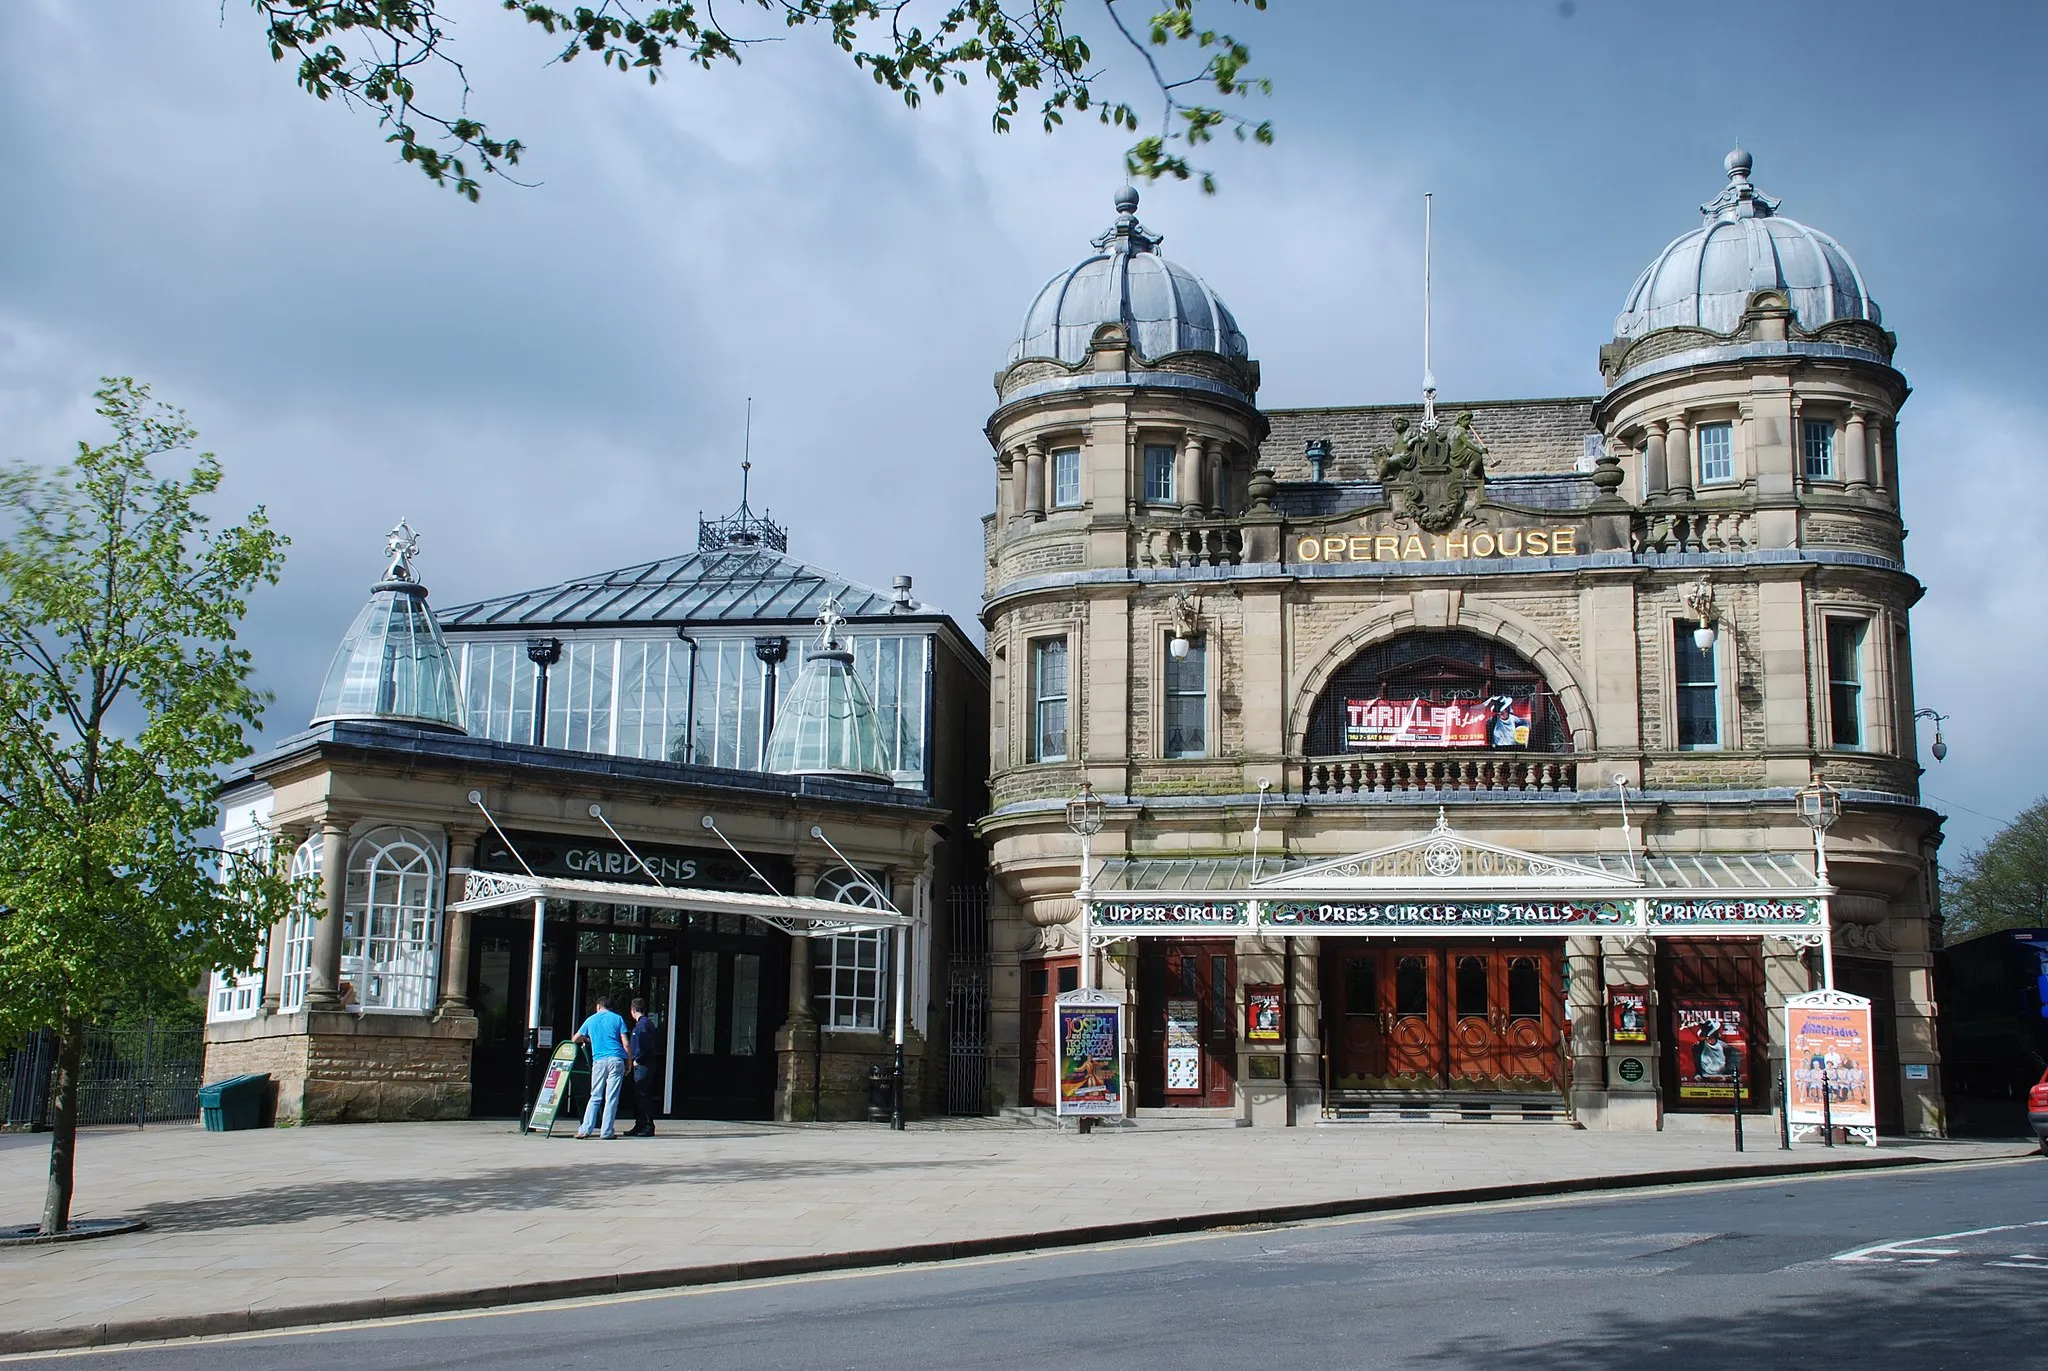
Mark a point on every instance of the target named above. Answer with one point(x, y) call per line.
point(841, 1080)
point(348, 1068)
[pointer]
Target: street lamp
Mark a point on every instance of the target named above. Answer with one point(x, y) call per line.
point(1940, 748)
point(1820, 804)
point(1084, 817)
point(1700, 600)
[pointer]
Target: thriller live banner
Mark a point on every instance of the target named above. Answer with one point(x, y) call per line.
point(1496, 721)
point(1461, 546)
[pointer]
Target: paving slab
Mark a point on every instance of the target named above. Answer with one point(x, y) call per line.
point(258, 1224)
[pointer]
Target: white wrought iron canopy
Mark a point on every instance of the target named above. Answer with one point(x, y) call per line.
point(802, 916)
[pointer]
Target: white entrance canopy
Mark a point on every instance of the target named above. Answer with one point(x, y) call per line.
point(1446, 884)
point(802, 916)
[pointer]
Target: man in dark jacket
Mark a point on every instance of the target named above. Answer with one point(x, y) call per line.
point(644, 1051)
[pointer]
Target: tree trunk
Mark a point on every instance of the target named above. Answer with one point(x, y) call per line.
point(64, 1129)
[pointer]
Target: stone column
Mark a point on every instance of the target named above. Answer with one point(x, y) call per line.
point(273, 958)
point(1034, 479)
point(1884, 450)
point(323, 985)
point(803, 1009)
point(455, 939)
point(1654, 480)
point(1189, 477)
point(1678, 458)
point(796, 1042)
point(1856, 449)
point(1216, 480)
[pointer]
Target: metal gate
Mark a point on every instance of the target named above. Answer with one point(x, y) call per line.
point(967, 979)
point(140, 1075)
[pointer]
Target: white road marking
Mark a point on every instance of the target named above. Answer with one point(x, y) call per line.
point(1915, 1252)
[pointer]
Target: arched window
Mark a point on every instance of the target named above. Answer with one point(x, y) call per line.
point(1473, 693)
point(298, 927)
point(850, 971)
point(391, 925)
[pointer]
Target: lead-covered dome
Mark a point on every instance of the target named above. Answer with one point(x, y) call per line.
point(1704, 278)
point(1162, 305)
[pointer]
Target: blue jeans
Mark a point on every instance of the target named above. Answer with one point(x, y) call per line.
point(605, 1075)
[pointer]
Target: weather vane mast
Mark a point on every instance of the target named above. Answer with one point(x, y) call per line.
point(1428, 377)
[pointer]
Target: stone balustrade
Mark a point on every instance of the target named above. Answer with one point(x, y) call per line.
point(1437, 773)
point(1196, 543)
point(1695, 530)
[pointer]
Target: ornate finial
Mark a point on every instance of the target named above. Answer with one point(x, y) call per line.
point(831, 619)
point(1127, 234)
point(1443, 823)
point(1739, 199)
point(402, 546)
point(742, 526)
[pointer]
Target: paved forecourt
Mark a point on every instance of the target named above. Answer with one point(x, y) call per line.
point(260, 1223)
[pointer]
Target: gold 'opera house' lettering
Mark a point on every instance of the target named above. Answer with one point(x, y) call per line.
point(1467, 545)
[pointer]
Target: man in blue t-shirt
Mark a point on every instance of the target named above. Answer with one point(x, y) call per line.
point(606, 1034)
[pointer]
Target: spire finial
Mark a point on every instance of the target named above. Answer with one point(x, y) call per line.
point(402, 546)
point(1127, 234)
point(1739, 199)
point(830, 618)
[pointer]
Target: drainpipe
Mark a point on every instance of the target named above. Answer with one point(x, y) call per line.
point(690, 700)
point(543, 653)
point(771, 651)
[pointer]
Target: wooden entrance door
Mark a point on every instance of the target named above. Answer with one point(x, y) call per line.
point(1187, 1042)
point(1467, 1015)
point(1042, 982)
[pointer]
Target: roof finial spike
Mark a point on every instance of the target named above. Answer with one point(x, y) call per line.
point(402, 546)
point(1429, 420)
point(747, 453)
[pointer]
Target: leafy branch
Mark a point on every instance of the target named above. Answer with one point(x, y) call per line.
point(394, 59)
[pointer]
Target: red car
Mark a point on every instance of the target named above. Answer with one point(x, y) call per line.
point(2037, 1110)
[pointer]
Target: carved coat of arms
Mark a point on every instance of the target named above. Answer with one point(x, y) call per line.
point(1432, 475)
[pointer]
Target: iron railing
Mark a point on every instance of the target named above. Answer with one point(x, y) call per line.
point(137, 1075)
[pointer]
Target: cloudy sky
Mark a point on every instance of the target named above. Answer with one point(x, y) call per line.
point(553, 382)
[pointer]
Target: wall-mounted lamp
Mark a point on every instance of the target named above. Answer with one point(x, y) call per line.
point(1186, 616)
point(1700, 600)
point(1940, 748)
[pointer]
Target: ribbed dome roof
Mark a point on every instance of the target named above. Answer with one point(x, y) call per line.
point(1164, 306)
point(1704, 277)
point(393, 664)
point(827, 725)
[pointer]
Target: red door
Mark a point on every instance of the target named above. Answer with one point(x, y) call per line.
point(1042, 981)
point(1187, 1002)
point(1415, 1017)
point(1475, 1016)
point(1531, 1018)
point(1357, 1007)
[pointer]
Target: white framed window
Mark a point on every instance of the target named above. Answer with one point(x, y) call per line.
point(1066, 478)
point(298, 927)
point(850, 981)
point(1697, 688)
point(239, 994)
point(1845, 682)
point(1717, 453)
point(391, 922)
point(1817, 449)
point(1159, 473)
point(1049, 700)
point(1187, 702)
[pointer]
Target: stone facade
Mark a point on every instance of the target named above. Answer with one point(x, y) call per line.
point(1293, 549)
point(350, 1068)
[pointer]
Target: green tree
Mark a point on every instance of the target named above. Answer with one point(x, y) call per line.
point(122, 694)
point(2003, 884)
point(397, 60)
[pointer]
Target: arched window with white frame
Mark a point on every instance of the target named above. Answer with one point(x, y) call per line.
point(307, 905)
point(850, 971)
point(391, 923)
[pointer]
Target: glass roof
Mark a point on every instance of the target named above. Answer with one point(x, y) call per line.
point(393, 664)
point(737, 582)
point(827, 725)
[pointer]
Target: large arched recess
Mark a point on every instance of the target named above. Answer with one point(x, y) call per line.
point(1392, 620)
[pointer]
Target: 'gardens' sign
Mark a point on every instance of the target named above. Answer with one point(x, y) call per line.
point(592, 859)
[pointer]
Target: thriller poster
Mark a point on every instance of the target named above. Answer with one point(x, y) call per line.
point(1712, 1048)
point(1628, 1014)
point(1263, 1013)
point(1496, 721)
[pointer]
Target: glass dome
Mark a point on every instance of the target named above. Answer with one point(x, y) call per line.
point(827, 725)
point(393, 664)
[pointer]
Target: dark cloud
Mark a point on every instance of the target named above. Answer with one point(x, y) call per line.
point(553, 382)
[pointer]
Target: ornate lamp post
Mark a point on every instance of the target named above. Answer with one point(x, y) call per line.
point(1820, 804)
point(1084, 817)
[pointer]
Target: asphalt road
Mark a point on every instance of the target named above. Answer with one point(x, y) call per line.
point(1872, 1271)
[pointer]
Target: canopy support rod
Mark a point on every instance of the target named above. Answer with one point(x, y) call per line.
point(711, 824)
point(476, 797)
point(597, 813)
